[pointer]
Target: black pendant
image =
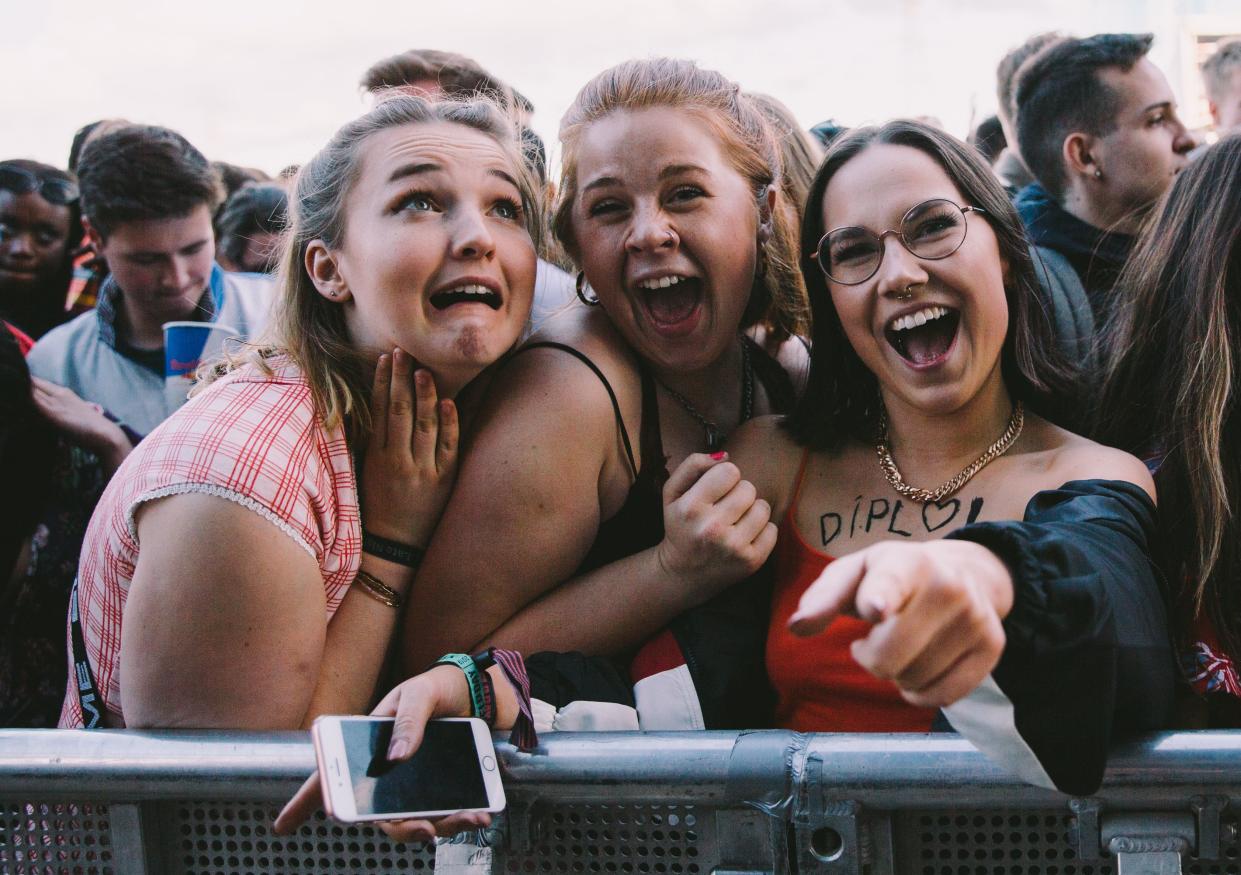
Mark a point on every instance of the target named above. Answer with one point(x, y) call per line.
point(715, 439)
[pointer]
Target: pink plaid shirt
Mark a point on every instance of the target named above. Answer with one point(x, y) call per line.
point(250, 438)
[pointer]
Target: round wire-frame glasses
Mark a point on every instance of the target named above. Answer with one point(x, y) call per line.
point(933, 230)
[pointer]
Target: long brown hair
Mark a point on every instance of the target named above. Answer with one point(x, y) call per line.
point(1171, 359)
point(841, 400)
point(776, 299)
point(307, 327)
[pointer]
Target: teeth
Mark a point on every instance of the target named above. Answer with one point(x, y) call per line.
point(661, 283)
point(913, 320)
point(468, 290)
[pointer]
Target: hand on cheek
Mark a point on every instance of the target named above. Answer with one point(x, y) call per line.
point(936, 607)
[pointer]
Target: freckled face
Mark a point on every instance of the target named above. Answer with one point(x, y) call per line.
point(436, 257)
point(666, 231)
point(944, 361)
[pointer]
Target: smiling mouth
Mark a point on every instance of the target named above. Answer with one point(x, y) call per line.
point(671, 300)
point(467, 294)
point(923, 337)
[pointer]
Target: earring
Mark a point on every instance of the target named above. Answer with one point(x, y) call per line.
point(581, 293)
point(334, 292)
point(761, 270)
point(1098, 174)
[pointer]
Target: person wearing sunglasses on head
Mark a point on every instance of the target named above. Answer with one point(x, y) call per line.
point(39, 221)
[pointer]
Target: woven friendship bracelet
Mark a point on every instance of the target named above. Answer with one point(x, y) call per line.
point(473, 677)
point(524, 737)
point(378, 590)
point(394, 551)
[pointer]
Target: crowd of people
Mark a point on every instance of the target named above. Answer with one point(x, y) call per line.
point(731, 425)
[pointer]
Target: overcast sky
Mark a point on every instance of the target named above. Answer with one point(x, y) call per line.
point(265, 82)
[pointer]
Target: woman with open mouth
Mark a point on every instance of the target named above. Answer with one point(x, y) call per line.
point(247, 564)
point(946, 550)
point(671, 205)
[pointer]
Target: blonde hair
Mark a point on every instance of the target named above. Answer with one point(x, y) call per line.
point(306, 327)
point(777, 298)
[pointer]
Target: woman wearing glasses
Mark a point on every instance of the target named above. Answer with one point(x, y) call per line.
point(39, 224)
point(947, 557)
point(942, 544)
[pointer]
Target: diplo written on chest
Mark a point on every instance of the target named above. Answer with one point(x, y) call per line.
point(897, 517)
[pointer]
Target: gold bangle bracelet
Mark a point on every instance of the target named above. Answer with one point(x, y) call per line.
point(378, 590)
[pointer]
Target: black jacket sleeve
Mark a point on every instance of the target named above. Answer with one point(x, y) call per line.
point(1088, 656)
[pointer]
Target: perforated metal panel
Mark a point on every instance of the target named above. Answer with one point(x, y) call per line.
point(209, 838)
point(41, 838)
point(657, 839)
point(1018, 843)
point(993, 843)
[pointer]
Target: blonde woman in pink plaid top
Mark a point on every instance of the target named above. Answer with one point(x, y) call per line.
point(224, 581)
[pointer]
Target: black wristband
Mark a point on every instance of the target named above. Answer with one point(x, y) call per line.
point(393, 551)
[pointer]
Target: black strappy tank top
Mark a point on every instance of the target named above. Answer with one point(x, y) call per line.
point(639, 524)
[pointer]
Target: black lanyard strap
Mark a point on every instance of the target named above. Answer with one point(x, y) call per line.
point(88, 693)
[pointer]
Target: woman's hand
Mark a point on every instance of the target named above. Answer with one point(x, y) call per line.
point(411, 459)
point(717, 530)
point(439, 692)
point(936, 607)
point(83, 423)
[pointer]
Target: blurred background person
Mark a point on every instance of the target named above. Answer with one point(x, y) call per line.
point(89, 270)
point(1097, 126)
point(1009, 166)
point(248, 228)
point(1221, 74)
point(988, 139)
point(147, 201)
point(40, 224)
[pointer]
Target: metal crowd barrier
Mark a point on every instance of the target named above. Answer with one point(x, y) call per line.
point(688, 803)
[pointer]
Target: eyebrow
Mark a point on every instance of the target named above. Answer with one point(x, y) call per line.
point(670, 170)
point(1162, 104)
point(408, 170)
point(678, 169)
point(413, 170)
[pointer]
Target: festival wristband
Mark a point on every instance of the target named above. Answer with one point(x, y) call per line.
point(394, 551)
point(473, 677)
point(524, 737)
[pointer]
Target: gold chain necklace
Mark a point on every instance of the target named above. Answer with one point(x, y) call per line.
point(924, 496)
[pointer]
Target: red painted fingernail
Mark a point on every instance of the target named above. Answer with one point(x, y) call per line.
point(717, 456)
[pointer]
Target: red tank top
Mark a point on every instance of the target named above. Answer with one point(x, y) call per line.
point(819, 687)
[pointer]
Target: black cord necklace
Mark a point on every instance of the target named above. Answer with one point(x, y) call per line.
point(715, 434)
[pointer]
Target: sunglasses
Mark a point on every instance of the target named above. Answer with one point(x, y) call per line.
point(55, 191)
point(932, 230)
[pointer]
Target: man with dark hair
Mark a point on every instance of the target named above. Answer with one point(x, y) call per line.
point(1221, 74)
point(1097, 126)
point(147, 199)
point(1009, 166)
point(436, 75)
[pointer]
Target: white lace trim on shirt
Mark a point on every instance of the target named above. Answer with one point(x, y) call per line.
point(220, 492)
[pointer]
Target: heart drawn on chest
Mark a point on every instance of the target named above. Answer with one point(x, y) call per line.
point(937, 514)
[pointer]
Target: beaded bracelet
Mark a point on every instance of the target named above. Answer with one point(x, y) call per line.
point(394, 551)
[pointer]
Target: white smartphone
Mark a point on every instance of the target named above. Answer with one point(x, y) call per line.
point(453, 770)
